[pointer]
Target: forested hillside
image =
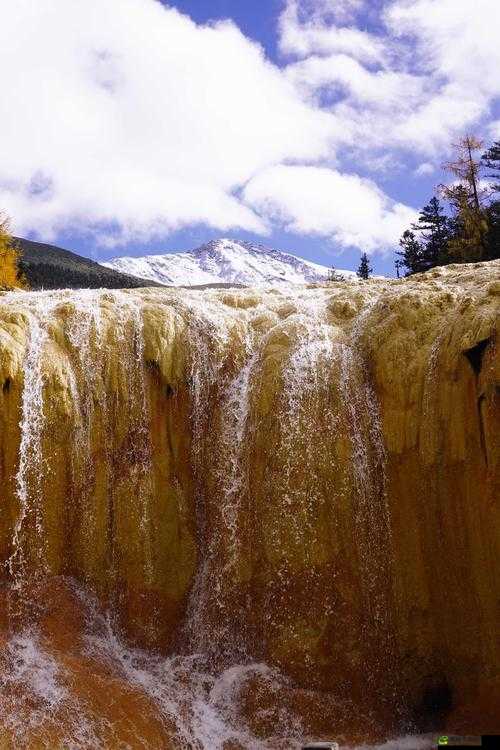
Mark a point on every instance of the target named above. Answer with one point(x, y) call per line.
point(51, 267)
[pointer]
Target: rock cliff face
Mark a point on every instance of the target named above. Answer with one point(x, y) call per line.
point(304, 477)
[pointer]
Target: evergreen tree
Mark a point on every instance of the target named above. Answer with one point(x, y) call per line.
point(434, 230)
point(471, 231)
point(364, 269)
point(425, 245)
point(411, 254)
point(491, 161)
point(493, 236)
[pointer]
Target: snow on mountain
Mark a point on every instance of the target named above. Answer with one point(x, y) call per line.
point(224, 261)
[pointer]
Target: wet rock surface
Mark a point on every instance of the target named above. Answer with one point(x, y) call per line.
point(299, 486)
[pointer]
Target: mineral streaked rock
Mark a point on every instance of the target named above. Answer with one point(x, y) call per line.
point(305, 475)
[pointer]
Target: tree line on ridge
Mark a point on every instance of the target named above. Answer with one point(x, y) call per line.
point(461, 222)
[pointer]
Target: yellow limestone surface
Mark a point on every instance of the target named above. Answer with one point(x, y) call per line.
point(305, 476)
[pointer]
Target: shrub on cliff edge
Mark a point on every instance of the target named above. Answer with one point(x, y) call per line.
point(10, 275)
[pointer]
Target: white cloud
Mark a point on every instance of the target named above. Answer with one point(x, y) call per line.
point(338, 10)
point(424, 169)
point(125, 118)
point(429, 73)
point(128, 113)
point(455, 40)
point(457, 48)
point(352, 211)
point(382, 89)
point(316, 35)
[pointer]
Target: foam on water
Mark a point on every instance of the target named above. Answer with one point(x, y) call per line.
point(31, 666)
point(200, 709)
point(34, 701)
point(199, 706)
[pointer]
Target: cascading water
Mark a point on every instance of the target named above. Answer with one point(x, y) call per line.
point(31, 463)
point(199, 508)
point(222, 551)
point(308, 423)
point(199, 702)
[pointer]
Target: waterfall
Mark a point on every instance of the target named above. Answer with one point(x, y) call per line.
point(198, 692)
point(223, 550)
point(86, 373)
point(201, 498)
point(31, 466)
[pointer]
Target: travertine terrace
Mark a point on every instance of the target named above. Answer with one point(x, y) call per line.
point(295, 484)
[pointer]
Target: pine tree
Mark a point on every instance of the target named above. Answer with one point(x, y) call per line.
point(425, 245)
point(364, 269)
point(411, 253)
point(493, 236)
point(10, 274)
point(471, 231)
point(434, 230)
point(491, 162)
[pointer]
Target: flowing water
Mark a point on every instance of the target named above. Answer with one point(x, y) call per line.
point(323, 406)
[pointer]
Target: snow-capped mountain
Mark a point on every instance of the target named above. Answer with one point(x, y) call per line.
point(224, 261)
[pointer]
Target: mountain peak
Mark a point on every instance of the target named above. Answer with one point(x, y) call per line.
point(224, 261)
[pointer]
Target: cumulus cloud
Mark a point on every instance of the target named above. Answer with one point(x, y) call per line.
point(457, 47)
point(381, 89)
point(429, 73)
point(315, 200)
point(126, 114)
point(316, 35)
point(127, 119)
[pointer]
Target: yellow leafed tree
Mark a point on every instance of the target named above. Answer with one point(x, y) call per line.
point(467, 199)
point(10, 275)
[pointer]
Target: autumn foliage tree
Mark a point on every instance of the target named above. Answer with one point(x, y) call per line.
point(468, 202)
point(10, 274)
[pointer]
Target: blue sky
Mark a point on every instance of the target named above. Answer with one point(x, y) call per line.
point(315, 126)
point(257, 20)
